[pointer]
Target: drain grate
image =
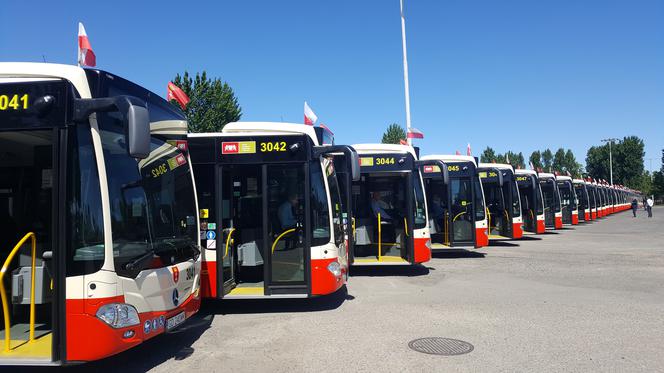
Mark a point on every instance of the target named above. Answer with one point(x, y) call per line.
point(440, 346)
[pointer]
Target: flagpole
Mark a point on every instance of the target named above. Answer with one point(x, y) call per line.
point(405, 71)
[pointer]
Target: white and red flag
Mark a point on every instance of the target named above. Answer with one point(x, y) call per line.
point(309, 116)
point(86, 57)
point(468, 151)
point(414, 133)
point(176, 93)
point(458, 152)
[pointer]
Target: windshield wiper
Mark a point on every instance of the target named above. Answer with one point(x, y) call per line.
point(132, 264)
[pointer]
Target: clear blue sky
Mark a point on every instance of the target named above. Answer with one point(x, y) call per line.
point(514, 75)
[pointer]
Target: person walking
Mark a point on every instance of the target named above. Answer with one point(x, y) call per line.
point(635, 206)
point(650, 203)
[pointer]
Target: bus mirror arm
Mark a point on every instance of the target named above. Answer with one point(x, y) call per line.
point(444, 172)
point(135, 118)
point(352, 159)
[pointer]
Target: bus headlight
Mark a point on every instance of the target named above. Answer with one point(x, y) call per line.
point(334, 268)
point(118, 315)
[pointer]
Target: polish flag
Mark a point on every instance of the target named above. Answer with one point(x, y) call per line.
point(86, 57)
point(175, 93)
point(468, 151)
point(309, 117)
point(414, 133)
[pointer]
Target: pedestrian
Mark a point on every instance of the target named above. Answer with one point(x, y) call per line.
point(635, 206)
point(650, 203)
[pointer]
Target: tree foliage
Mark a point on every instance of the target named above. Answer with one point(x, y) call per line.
point(394, 134)
point(490, 156)
point(536, 159)
point(627, 157)
point(213, 102)
point(547, 160)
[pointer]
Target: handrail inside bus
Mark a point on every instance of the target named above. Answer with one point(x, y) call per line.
point(459, 214)
point(488, 216)
point(228, 241)
point(274, 244)
point(405, 226)
point(379, 237)
point(3, 292)
point(447, 228)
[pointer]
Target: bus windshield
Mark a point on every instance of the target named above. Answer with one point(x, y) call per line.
point(419, 207)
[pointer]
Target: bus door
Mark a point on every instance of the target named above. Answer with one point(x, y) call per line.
point(461, 201)
point(383, 202)
point(262, 237)
point(566, 201)
point(33, 145)
point(499, 220)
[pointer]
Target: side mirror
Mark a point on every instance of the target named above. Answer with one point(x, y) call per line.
point(135, 118)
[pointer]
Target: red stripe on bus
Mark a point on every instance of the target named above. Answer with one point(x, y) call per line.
point(422, 252)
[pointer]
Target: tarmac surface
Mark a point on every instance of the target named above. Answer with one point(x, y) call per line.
point(586, 298)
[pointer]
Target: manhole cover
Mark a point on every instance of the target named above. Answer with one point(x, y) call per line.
point(440, 346)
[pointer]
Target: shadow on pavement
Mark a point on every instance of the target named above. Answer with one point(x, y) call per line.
point(173, 345)
point(277, 305)
point(531, 238)
point(386, 271)
point(458, 254)
point(502, 244)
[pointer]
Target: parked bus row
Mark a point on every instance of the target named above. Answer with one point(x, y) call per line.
point(115, 222)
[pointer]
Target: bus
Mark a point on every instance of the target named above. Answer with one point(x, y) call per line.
point(455, 192)
point(389, 210)
point(553, 216)
point(568, 200)
point(593, 198)
point(501, 194)
point(583, 207)
point(272, 223)
point(98, 210)
point(532, 203)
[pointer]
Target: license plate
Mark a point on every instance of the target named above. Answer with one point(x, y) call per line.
point(175, 321)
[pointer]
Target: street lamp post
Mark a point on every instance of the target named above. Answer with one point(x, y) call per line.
point(610, 140)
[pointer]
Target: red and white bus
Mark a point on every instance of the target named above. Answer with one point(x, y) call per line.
point(97, 200)
point(583, 206)
point(568, 200)
point(272, 216)
point(553, 216)
point(389, 210)
point(501, 194)
point(532, 202)
point(456, 203)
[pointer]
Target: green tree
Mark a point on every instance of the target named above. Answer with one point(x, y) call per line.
point(488, 155)
point(547, 160)
point(213, 102)
point(658, 184)
point(597, 162)
point(536, 159)
point(394, 134)
point(571, 165)
point(558, 163)
point(628, 161)
point(515, 159)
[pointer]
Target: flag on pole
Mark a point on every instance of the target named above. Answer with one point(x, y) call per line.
point(309, 116)
point(175, 93)
point(414, 133)
point(468, 151)
point(86, 57)
point(532, 167)
point(458, 152)
point(507, 158)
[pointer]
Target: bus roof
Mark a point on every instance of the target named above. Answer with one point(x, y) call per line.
point(262, 128)
point(563, 178)
point(384, 148)
point(546, 175)
point(526, 172)
point(578, 181)
point(500, 166)
point(74, 74)
point(450, 158)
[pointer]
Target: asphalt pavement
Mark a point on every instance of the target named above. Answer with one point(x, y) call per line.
point(586, 298)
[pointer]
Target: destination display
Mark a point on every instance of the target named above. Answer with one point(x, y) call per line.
point(27, 105)
point(386, 162)
point(254, 149)
point(456, 169)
